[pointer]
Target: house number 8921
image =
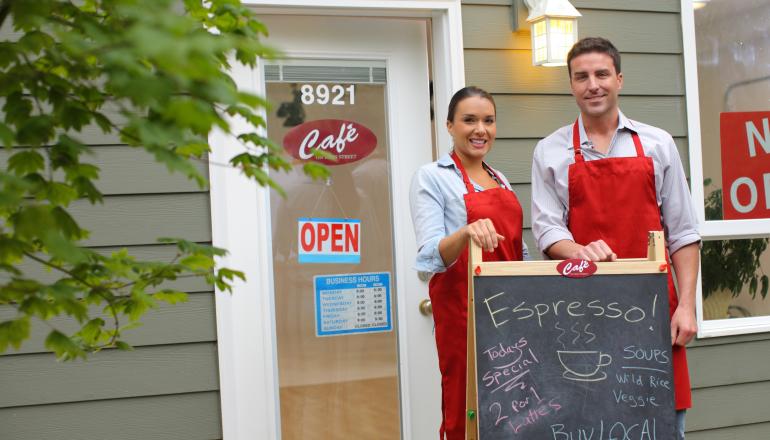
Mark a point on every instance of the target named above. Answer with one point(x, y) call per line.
point(323, 94)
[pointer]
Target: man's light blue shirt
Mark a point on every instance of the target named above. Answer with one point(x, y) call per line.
point(438, 209)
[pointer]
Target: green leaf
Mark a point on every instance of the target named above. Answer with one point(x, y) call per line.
point(8, 53)
point(17, 108)
point(35, 41)
point(62, 248)
point(138, 305)
point(25, 162)
point(196, 149)
point(6, 135)
point(91, 332)
point(198, 262)
point(61, 194)
point(123, 346)
point(170, 296)
point(63, 346)
point(66, 224)
point(11, 249)
point(36, 306)
point(157, 77)
point(225, 276)
point(35, 131)
point(13, 332)
point(316, 171)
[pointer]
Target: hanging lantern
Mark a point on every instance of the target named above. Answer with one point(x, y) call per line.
point(554, 30)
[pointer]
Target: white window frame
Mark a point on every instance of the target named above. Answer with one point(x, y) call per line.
point(711, 229)
point(245, 322)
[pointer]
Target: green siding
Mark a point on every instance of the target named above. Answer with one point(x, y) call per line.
point(142, 219)
point(756, 431)
point(110, 374)
point(730, 377)
point(731, 382)
point(536, 116)
point(512, 72)
point(489, 27)
point(192, 416)
point(733, 363)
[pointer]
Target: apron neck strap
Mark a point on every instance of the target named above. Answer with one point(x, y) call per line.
point(579, 153)
point(576, 142)
point(637, 144)
point(466, 180)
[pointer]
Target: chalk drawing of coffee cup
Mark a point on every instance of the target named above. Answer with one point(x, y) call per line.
point(584, 366)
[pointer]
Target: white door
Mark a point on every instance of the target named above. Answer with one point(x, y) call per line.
point(355, 357)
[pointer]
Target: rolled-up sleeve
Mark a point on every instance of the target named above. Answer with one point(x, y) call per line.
point(427, 206)
point(549, 215)
point(679, 221)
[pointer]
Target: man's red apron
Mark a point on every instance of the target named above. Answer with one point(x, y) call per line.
point(614, 200)
point(449, 296)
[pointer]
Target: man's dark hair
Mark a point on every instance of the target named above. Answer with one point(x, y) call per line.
point(593, 44)
point(467, 92)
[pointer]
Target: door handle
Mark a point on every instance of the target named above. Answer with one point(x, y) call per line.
point(426, 308)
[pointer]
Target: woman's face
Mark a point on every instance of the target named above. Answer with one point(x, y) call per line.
point(473, 128)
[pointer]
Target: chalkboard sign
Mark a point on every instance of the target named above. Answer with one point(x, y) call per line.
point(571, 358)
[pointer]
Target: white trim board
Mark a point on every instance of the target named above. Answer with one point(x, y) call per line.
point(245, 323)
point(711, 229)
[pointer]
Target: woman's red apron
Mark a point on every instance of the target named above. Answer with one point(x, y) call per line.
point(449, 296)
point(614, 200)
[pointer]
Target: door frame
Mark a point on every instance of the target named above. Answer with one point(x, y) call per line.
point(248, 375)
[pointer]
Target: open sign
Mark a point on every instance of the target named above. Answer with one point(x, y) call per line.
point(329, 240)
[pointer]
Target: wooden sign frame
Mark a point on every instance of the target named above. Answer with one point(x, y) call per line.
point(654, 263)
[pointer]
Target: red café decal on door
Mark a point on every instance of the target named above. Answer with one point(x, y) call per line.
point(348, 141)
point(745, 141)
point(576, 268)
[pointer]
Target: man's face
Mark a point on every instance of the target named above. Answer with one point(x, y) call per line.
point(595, 84)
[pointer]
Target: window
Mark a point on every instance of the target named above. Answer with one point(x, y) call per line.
point(727, 64)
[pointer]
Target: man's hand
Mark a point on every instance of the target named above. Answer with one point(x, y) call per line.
point(595, 251)
point(684, 326)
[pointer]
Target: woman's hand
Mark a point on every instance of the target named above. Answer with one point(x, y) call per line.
point(483, 233)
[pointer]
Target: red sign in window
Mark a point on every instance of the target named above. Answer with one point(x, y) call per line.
point(745, 139)
point(346, 141)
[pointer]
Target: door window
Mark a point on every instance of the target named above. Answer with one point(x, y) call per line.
point(333, 257)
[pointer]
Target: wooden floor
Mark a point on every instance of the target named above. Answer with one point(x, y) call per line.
point(363, 409)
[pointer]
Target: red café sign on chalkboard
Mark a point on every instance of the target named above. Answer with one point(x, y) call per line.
point(745, 141)
point(576, 268)
point(347, 141)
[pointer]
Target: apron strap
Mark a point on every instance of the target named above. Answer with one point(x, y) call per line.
point(637, 144)
point(467, 181)
point(579, 153)
point(576, 142)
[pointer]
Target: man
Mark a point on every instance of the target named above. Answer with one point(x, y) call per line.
point(600, 184)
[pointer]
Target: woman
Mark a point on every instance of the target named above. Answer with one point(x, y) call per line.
point(453, 199)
